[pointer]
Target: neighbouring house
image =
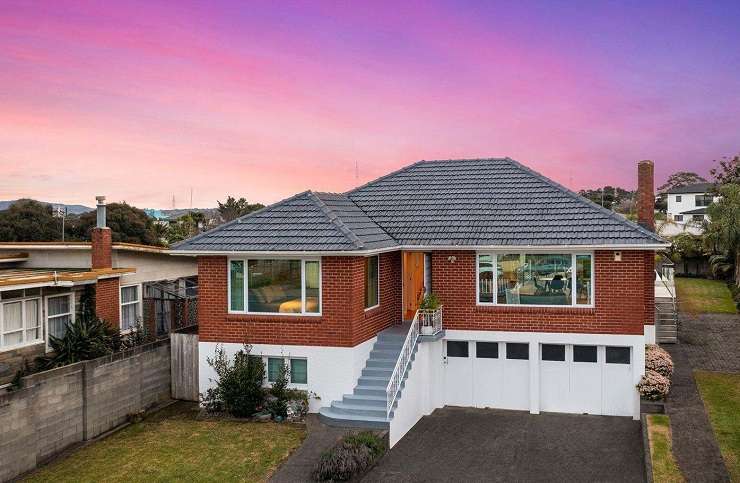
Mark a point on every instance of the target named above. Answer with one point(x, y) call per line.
point(547, 298)
point(687, 209)
point(45, 285)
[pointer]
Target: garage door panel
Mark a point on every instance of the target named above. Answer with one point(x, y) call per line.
point(619, 390)
point(585, 395)
point(515, 387)
point(555, 384)
point(489, 382)
point(458, 374)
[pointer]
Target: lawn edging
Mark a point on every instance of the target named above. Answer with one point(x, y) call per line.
point(646, 446)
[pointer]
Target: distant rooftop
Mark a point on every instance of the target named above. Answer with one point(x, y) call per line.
point(692, 188)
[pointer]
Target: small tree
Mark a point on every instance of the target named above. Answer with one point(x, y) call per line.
point(727, 171)
point(681, 178)
point(233, 208)
point(238, 387)
point(279, 406)
point(723, 231)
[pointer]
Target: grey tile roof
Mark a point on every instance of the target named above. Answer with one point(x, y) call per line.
point(692, 188)
point(487, 202)
point(471, 202)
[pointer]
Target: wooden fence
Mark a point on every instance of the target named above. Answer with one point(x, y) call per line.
point(184, 362)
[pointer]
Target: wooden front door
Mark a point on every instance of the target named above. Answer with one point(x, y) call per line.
point(413, 282)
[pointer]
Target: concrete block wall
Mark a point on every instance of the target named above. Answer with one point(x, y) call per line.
point(55, 409)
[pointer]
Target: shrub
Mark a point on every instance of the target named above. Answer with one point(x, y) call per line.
point(239, 384)
point(84, 339)
point(354, 454)
point(653, 386)
point(278, 406)
point(659, 360)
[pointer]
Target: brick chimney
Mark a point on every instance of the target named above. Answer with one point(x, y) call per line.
point(645, 195)
point(102, 241)
point(107, 296)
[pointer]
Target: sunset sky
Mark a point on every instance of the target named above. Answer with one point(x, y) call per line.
point(141, 101)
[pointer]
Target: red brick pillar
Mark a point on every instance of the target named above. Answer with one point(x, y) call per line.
point(107, 301)
point(645, 195)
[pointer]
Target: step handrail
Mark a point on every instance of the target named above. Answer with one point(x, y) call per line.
point(404, 358)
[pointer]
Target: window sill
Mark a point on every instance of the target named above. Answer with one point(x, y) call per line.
point(575, 309)
point(372, 310)
point(248, 317)
point(21, 346)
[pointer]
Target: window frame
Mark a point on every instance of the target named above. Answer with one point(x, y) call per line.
point(377, 257)
point(24, 321)
point(121, 303)
point(573, 296)
point(287, 360)
point(72, 312)
point(678, 217)
point(678, 199)
point(302, 313)
point(703, 200)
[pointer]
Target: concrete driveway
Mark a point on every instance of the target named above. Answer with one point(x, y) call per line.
point(462, 444)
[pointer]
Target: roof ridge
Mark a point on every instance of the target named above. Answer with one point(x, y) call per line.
point(609, 213)
point(336, 221)
point(236, 220)
point(392, 173)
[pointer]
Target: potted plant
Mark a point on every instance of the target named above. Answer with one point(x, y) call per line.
point(429, 305)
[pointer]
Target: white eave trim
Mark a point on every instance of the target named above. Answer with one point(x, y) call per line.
point(422, 248)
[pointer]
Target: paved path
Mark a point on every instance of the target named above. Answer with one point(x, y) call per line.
point(710, 342)
point(298, 467)
point(465, 444)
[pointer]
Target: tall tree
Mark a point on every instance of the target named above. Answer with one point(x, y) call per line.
point(29, 220)
point(727, 171)
point(679, 179)
point(233, 208)
point(723, 230)
point(128, 224)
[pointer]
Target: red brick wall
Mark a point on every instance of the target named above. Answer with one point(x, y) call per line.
point(102, 248)
point(624, 299)
point(343, 322)
point(107, 301)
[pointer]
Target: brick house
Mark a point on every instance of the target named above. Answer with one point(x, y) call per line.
point(46, 285)
point(547, 299)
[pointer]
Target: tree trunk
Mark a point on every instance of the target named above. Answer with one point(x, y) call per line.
point(737, 268)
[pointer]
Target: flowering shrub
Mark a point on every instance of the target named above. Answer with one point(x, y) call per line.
point(658, 360)
point(653, 385)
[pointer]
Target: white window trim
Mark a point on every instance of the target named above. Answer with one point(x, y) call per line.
point(494, 256)
point(121, 303)
point(246, 311)
point(286, 360)
point(365, 281)
point(24, 328)
point(71, 312)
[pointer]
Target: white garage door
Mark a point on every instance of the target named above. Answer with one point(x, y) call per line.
point(487, 374)
point(586, 379)
point(573, 378)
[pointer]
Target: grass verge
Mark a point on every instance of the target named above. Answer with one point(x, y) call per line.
point(665, 468)
point(172, 445)
point(721, 395)
point(699, 295)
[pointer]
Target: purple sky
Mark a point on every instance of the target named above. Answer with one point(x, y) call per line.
point(141, 101)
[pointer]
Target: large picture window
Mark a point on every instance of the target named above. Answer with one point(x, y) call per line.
point(371, 282)
point(535, 279)
point(20, 323)
point(278, 286)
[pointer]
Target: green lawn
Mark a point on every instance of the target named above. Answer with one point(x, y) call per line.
point(172, 445)
point(665, 468)
point(721, 395)
point(697, 295)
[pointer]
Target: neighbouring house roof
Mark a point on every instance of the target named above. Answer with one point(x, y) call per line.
point(692, 188)
point(79, 245)
point(698, 211)
point(466, 203)
point(56, 276)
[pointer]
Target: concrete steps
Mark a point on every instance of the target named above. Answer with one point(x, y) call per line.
point(366, 406)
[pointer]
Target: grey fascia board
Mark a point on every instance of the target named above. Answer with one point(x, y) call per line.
point(532, 248)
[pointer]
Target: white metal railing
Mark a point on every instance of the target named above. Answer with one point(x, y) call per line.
point(404, 358)
point(430, 321)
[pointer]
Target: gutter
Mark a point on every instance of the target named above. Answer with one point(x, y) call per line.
point(531, 248)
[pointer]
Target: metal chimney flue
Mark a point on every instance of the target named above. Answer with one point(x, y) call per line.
point(101, 211)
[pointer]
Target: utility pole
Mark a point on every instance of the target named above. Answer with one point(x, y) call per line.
point(61, 212)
